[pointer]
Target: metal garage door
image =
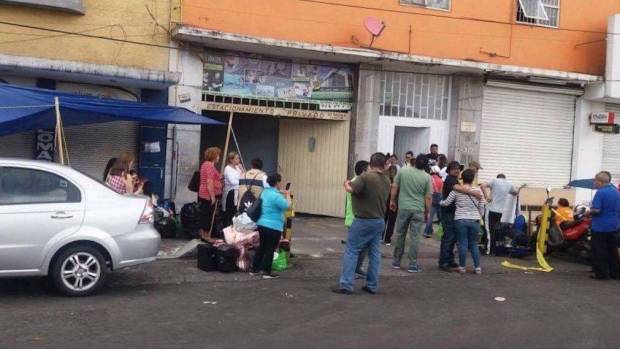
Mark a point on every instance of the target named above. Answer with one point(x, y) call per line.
point(91, 146)
point(611, 148)
point(527, 135)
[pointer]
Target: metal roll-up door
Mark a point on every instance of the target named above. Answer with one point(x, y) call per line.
point(17, 145)
point(527, 135)
point(611, 147)
point(91, 146)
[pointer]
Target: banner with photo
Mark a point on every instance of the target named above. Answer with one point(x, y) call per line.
point(256, 76)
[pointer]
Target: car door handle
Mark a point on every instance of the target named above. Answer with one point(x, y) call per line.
point(61, 215)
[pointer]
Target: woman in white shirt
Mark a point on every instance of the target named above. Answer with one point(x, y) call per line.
point(232, 173)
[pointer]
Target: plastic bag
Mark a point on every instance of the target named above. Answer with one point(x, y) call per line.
point(243, 223)
point(280, 260)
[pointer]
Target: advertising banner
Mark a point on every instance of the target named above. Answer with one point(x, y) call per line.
point(244, 75)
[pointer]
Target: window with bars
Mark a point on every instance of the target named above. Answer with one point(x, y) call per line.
point(412, 95)
point(539, 12)
point(432, 4)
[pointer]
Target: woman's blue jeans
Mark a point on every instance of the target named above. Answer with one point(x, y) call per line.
point(467, 234)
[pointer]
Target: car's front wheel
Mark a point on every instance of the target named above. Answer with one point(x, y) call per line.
point(79, 271)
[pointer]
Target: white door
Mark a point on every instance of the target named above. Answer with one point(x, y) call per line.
point(416, 140)
point(527, 135)
point(611, 148)
point(35, 207)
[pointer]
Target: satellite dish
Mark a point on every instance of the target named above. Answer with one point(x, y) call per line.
point(375, 27)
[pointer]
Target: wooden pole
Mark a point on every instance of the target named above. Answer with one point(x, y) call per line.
point(230, 120)
point(59, 144)
point(223, 160)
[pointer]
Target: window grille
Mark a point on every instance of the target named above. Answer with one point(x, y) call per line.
point(432, 4)
point(411, 95)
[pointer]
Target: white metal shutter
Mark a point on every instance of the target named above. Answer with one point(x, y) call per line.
point(611, 147)
point(527, 135)
point(17, 145)
point(91, 146)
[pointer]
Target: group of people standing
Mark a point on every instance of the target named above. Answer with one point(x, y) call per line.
point(236, 190)
point(424, 187)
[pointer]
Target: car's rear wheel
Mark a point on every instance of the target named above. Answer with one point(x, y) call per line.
point(79, 271)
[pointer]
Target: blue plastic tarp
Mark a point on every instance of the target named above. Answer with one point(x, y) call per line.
point(25, 109)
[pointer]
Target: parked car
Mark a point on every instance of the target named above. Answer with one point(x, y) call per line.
point(60, 223)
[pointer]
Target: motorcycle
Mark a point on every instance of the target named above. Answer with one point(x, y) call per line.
point(571, 237)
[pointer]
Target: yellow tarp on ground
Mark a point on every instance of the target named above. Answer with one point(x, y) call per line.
point(540, 247)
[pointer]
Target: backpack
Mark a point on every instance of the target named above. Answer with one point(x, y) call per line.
point(255, 210)
point(248, 199)
point(190, 219)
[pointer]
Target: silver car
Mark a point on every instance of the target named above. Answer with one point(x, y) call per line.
point(58, 222)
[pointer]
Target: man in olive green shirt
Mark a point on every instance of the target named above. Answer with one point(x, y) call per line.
point(413, 189)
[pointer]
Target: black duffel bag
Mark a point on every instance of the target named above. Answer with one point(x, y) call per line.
point(190, 220)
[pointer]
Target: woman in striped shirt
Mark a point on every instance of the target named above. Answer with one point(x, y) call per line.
point(467, 221)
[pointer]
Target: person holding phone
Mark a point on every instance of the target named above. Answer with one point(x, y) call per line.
point(275, 203)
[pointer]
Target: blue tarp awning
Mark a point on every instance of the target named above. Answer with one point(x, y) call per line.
point(24, 109)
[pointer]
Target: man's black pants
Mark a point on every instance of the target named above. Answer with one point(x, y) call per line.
point(605, 260)
point(494, 219)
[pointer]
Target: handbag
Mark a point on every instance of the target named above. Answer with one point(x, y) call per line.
point(254, 211)
point(194, 183)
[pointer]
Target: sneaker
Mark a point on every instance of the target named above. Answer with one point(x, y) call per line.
point(414, 269)
point(360, 275)
point(395, 266)
point(368, 290)
point(461, 269)
point(478, 271)
point(453, 265)
point(255, 273)
point(270, 276)
point(343, 291)
point(428, 235)
point(388, 244)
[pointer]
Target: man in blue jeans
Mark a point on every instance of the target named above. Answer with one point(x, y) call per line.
point(605, 222)
point(369, 193)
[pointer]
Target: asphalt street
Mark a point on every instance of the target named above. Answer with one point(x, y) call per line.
point(172, 304)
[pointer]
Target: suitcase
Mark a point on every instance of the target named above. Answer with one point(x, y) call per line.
point(207, 257)
point(226, 258)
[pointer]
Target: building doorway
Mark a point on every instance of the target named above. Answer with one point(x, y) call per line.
point(414, 139)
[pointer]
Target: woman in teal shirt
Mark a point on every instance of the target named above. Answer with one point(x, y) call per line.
point(270, 225)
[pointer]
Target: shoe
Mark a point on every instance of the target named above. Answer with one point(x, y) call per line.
point(414, 269)
point(598, 278)
point(388, 244)
point(426, 235)
point(445, 268)
point(255, 273)
point(270, 276)
point(461, 269)
point(339, 290)
point(395, 266)
point(368, 290)
point(360, 275)
point(453, 265)
point(478, 271)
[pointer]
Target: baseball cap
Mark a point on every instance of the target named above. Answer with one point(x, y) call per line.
point(475, 164)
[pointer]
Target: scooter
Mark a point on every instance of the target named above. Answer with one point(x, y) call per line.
point(571, 237)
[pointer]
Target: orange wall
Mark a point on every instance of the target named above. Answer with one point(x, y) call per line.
point(443, 34)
